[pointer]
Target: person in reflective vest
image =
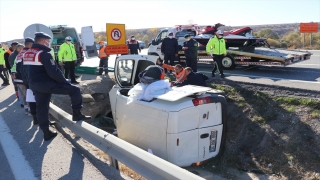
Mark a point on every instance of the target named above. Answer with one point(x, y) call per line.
point(67, 56)
point(45, 78)
point(103, 65)
point(179, 71)
point(3, 67)
point(216, 47)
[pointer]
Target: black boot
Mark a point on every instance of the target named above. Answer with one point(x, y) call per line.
point(78, 116)
point(35, 120)
point(48, 134)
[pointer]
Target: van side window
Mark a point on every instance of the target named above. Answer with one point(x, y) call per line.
point(125, 70)
point(142, 65)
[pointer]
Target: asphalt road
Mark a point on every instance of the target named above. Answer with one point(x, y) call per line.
point(302, 75)
point(24, 154)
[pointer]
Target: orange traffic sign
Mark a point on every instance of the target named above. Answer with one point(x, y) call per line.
point(118, 49)
point(116, 34)
point(309, 27)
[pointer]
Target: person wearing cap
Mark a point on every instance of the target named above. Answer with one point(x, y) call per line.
point(190, 47)
point(45, 78)
point(103, 64)
point(67, 56)
point(4, 78)
point(169, 48)
point(216, 47)
point(15, 63)
point(133, 46)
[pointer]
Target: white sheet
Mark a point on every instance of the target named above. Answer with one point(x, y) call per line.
point(147, 92)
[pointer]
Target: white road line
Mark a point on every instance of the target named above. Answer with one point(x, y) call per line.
point(309, 64)
point(272, 78)
point(19, 166)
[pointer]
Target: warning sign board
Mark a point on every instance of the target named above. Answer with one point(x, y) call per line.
point(119, 49)
point(116, 34)
point(309, 27)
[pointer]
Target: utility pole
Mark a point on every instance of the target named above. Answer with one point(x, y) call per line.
point(310, 39)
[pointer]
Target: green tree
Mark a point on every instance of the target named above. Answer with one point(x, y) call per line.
point(267, 33)
point(274, 43)
point(293, 40)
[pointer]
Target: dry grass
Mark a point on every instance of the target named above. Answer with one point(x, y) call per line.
point(130, 173)
point(122, 168)
point(270, 132)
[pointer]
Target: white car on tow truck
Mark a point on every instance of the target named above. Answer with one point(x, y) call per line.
point(184, 126)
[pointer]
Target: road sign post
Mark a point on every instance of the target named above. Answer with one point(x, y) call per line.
point(116, 39)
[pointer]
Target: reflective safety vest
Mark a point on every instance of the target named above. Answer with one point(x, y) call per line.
point(31, 57)
point(18, 59)
point(9, 51)
point(102, 52)
point(216, 46)
point(67, 53)
point(2, 52)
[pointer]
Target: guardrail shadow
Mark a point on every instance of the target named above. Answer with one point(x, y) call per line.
point(102, 166)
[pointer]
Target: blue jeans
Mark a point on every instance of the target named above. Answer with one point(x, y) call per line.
point(20, 97)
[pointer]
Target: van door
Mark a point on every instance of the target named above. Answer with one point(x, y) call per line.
point(127, 68)
point(89, 46)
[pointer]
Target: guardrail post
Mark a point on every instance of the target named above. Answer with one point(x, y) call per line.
point(113, 162)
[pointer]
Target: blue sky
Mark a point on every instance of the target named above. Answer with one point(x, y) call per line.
point(16, 15)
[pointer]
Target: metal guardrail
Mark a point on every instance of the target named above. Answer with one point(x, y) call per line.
point(142, 162)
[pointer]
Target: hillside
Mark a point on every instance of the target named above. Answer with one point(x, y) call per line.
point(147, 34)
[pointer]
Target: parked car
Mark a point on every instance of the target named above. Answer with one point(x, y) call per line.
point(142, 44)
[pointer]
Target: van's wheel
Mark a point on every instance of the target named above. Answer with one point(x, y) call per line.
point(228, 63)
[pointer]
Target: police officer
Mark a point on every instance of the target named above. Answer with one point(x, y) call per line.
point(169, 48)
point(133, 45)
point(67, 56)
point(45, 79)
point(3, 67)
point(190, 47)
point(216, 47)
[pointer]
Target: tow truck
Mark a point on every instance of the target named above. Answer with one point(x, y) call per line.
point(245, 55)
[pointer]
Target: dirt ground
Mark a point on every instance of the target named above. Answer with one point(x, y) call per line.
point(271, 130)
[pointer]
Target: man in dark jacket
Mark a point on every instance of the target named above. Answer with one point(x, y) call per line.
point(45, 79)
point(8, 53)
point(190, 47)
point(133, 45)
point(169, 48)
point(6, 58)
point(193, 78)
